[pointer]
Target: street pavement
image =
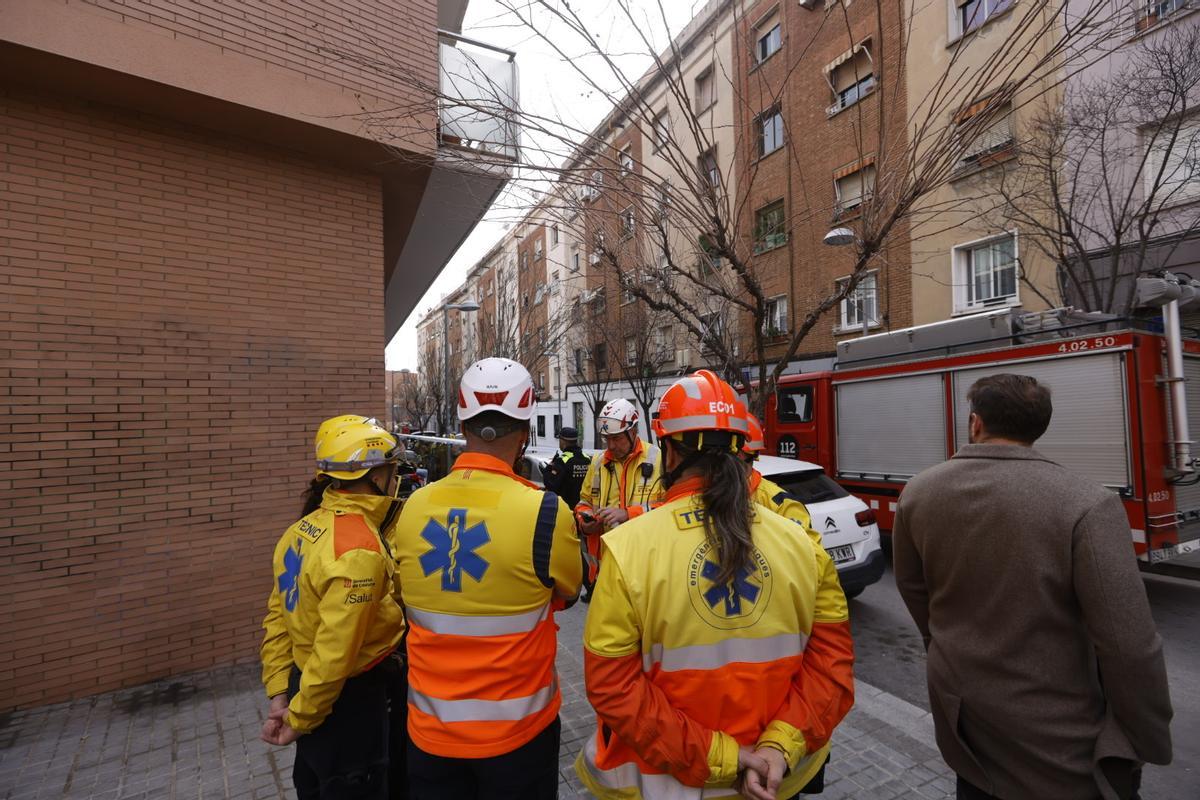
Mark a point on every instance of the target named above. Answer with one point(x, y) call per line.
point(196, 736)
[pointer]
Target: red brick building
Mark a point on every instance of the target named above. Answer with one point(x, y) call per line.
point(204, 246)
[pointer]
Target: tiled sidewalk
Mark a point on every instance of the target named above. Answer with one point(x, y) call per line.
point(196, 736)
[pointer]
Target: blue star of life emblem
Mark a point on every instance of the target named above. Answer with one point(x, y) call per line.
point(732, 594)
point(452, 549)
point(289, 580)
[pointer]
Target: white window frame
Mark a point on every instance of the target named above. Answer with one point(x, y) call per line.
point(664, 343)
point(625, 159)
point(707, 77)
point(963, 279)
point(986, 142)
point(777, 318)
point(763, 41)
point(628, 222)
point(710, 168)
point(660, 128)
point(554, 234)
point(631, 351)
point(850, 309)
point(990, 11)
point(775, 116)
point(575, 260)
point(844, 206)
point(537, 250)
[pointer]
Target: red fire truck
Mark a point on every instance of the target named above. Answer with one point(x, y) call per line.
point(895, 404)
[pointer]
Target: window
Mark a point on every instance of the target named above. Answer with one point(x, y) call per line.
point(627, 222)
point(575, 260)
point(854, 187)
point(1179, 181)
point(664, 344)
point(706, 89)
point(713, 328)
point(776, 322)
point(864, 300)
point(769, 41)
point(599, 303)
point(601, 356)
point(769, 128)
point(554, 283)
point(985, 273)
point(525, 302)
point(627, 295)
point(661, 129)
point(984, 144)
point(631, 351)
point(770, 227)
point(1151, 12)
point(592, 190)
point(970, 15)
point(851, 77)
point(810, 487)
point(794, 403)
point(537, 250)
point(580, 357)
point(710, 259)
point(625, 159)
point(524, 260)
point(553, 234)
point(707, 164)
point(541, 425)
point(664, 200)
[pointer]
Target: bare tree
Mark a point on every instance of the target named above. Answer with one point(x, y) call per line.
point(1104, 184)
point(641, 344)
point(433, 386)
point(681, 232)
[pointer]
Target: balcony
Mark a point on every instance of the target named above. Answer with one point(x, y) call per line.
point(477, 102)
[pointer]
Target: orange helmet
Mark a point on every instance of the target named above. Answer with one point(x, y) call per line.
point(755, 441)
point(702, 403)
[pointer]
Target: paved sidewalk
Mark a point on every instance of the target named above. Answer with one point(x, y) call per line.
point(196, 736)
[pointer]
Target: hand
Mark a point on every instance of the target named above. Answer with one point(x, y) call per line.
point(749, 763)
point(275, 716)
point(612, 517)
point(762, 785)
point(283, 736)
point(593, 528)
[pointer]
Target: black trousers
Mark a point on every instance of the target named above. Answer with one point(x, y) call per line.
point(1127, 786)
point(349, 756)
point(528, 773)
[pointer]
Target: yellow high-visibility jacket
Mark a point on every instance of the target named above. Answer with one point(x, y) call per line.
point(332, 611)
point(769, 494)
point(623, 484)
point(681, 669)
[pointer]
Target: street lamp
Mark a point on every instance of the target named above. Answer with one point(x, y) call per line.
point(466, 305)
point(840, 237)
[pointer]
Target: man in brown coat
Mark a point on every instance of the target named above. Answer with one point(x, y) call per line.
point(1046, 674)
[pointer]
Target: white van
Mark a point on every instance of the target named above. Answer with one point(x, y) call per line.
point(847, 526)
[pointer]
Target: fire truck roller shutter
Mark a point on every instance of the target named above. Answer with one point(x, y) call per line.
point(893, 427)
point(1187, 498)
point(1089, 432)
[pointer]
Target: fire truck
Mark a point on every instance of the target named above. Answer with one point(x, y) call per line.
point(895, 404)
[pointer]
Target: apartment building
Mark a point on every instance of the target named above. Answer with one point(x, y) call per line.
point(211, 224)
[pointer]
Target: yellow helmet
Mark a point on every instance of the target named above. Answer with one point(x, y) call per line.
point(352, 449)
point(332, 424)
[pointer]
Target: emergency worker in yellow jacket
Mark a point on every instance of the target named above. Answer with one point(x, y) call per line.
point(718, 654)
point(333, 620)
point(483, 557)
point(621, 483)
point(766, 492)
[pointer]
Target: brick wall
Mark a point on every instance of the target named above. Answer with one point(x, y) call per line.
point(356, 44)
point(180, 309)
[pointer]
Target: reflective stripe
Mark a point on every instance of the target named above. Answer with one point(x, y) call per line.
point(650, 787)
point(511, 710)
point(730, 651)
point(699, 421)
point(691, 387)
point(460, 625)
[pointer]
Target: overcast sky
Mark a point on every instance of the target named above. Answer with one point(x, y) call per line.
point(548, 87)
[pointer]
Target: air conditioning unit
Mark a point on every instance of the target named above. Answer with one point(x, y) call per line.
point(594, 258)
point(683, 358)
point(589, 193)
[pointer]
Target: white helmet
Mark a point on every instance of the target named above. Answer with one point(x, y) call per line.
point(617, 416)
point(496, 384)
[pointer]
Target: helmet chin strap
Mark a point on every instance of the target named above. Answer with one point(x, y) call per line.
point(669, 477)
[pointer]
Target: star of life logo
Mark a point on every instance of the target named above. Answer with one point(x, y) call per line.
point(735, 603)
point(452, 549)
point(289, 579)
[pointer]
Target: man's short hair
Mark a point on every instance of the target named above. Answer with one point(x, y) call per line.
point(1011, 406)
point(501, 424)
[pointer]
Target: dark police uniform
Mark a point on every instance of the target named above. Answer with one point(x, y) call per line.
point(564, 474)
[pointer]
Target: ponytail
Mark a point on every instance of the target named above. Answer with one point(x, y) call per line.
point(726, 499)
point(314, 493)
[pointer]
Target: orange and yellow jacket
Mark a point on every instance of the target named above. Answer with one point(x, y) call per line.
point(610, 483)
point(769, 494)
point(681, 670)
point(332, 611)
point(481, 555)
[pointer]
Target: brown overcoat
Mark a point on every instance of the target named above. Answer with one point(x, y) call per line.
point(1043, 658)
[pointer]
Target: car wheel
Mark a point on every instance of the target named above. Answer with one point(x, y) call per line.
point(853, 592)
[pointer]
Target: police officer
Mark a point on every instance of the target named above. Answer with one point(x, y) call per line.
point(483, 558)
point(565, 473)
point(333, 621)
